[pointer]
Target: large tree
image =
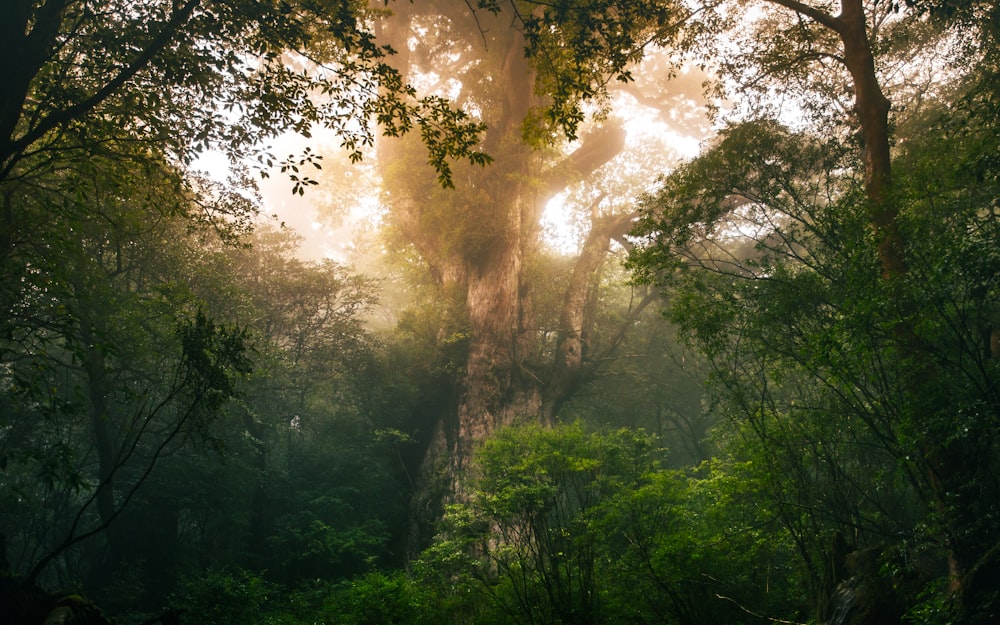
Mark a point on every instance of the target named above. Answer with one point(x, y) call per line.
point(526, 70)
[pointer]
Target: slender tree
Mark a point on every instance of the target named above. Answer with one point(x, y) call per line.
point(893, 387)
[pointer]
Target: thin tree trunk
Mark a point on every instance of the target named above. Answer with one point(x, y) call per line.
point(945, 462)
point(872, 108)
point(98, 390)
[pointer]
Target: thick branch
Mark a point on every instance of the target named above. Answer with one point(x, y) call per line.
point(577, 315)
point(813, 13)
point(598, 147)
point(22, 54)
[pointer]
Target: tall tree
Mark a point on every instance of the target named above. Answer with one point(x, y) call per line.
point(879, 350)
point(861, 30)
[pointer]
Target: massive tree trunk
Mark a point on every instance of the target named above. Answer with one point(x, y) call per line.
point(479, 249)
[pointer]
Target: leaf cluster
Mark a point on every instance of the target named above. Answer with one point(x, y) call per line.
point(579, 47)
point(194, 76)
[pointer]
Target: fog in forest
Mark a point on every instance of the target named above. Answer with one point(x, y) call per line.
point(575, 312)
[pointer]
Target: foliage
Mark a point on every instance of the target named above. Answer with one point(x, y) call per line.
point(123, 356)
point(233, 596)
point(104, 346)
point(578, 48)
point(385, 599)
point(221, 598)
point(700, 546)
point(771, 271)
point(527, 525)
point(190, 413)
point(98, 80)
point(568, 527)
point(841, 326)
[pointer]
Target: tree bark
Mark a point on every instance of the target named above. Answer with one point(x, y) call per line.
point(872, 108)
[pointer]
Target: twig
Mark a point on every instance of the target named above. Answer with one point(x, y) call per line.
point(751, 613)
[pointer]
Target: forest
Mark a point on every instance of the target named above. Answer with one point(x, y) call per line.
point(659, 312)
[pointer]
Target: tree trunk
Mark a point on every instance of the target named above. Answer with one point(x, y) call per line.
point(26, 38)
point(944, 460)
point(872, 108)
point(576, 317)
point(98, 390)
